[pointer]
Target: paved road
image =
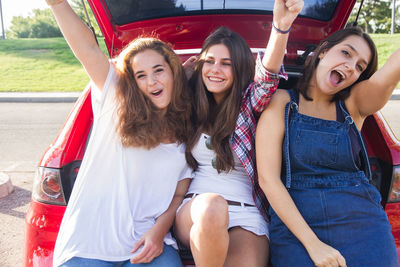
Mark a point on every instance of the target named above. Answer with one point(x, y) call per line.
point(391, 113)
point(26, 129)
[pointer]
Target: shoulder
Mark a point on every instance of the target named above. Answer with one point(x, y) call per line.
point(276, 109)
point(280, 98)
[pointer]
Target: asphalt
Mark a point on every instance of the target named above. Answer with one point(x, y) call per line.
point(70, 97)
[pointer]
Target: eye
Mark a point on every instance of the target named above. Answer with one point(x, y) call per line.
point(226, 63)
point(345, 52)
point(159, 70)
point(209, 61)
point(140, 76)
point(360, 68)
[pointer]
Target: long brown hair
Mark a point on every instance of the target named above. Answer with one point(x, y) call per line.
point(141, 123)
point(219, 120)
point(334, 39)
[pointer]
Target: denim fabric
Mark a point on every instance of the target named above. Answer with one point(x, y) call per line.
point(169, 258)
point(332, 194)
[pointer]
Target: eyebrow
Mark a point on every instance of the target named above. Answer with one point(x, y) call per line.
point(225, 58)
point(355, 50)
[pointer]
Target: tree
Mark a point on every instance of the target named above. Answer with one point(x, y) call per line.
point(19, 28)
point(374, 16)
point(42, 24)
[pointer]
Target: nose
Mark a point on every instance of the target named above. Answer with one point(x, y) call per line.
point(152, 80)
point(350, 66)
point(215, 67)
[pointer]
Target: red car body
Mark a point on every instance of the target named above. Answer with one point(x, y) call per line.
point(59, 165)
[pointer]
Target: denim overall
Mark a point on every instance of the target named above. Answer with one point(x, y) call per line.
point(333, 195)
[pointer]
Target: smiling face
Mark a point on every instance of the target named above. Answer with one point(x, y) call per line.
point(217, 73)
point(341, 66)
point(154, 77)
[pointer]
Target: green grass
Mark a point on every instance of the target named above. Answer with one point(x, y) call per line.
point(40, 65)
point(48, 65)
point(386, 45)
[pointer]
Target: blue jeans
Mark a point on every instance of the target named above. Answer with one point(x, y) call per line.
point(169, 258)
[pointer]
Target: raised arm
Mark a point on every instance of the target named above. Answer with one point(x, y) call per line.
point(371, 95)
point(285, 12)
point(81, 41)
point(269, 153)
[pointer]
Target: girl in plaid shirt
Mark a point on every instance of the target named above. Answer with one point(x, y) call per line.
point(220, 218)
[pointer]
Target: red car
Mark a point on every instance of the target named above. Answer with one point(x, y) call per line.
point(185, 24)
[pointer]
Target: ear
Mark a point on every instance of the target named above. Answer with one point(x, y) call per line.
point(322, 54)
point(324, 50)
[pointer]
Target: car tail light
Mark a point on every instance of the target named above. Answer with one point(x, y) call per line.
point(47, 187)
point(394, 195)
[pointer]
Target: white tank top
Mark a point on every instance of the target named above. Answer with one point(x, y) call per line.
point(233, 185)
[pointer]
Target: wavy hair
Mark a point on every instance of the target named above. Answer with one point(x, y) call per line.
point(334, 39)
point(141, 123)
point(219, 120)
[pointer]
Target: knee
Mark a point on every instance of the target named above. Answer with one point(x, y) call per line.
point(210, 212)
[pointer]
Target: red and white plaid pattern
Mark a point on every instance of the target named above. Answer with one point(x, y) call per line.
point(255, 99)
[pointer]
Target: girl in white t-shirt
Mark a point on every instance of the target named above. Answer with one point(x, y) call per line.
point(132, 177)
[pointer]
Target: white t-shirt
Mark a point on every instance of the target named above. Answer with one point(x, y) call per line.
point(119, 191)
point(233, 185)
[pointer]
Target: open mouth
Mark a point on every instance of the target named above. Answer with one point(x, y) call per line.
point(156, 93)
point(336, 77)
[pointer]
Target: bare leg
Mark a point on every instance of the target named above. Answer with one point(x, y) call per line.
point(247, 249)
point(202, 225)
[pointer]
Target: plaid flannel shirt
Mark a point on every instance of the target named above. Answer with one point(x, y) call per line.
point(255, 98)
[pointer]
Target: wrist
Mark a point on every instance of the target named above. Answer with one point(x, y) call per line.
point(54, 2)
point(311, 243)
point(281, 28)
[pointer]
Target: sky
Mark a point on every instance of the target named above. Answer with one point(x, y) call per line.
point(13, 8)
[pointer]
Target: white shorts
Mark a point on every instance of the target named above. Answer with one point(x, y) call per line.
point(248, 218)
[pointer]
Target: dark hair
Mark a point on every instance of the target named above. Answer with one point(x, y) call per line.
point(219, 120)
point(141, 123)
point(334, 39)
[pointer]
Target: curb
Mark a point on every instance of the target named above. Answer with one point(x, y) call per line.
point(39, 97)
point(70, 97)
point(6, 186)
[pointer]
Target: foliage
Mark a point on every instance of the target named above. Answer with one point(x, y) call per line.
point(376, 16)
point(42, 24)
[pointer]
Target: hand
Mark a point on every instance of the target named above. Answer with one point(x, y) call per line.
point(189, 66)
point(153, 245)
point(285, 12)
point(326, 256)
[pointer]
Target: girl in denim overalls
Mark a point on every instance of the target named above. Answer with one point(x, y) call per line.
point(312, 161)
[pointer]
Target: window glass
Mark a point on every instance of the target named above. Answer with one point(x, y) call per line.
point(126, 11)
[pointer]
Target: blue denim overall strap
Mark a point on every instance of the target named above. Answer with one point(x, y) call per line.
point(330, 163)
point(290, 107)
point(364, 153)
